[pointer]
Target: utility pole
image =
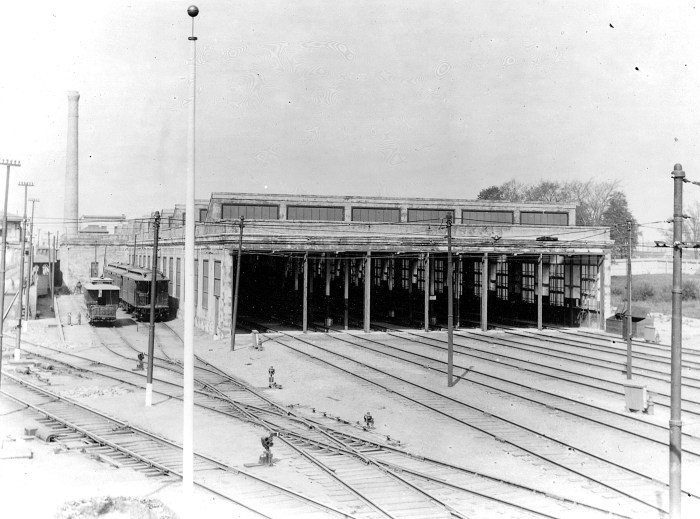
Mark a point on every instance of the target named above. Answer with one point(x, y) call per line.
point(675, 422)
point(628, 317)
point(450, 296)
point(8, 163)
point(152, 329)
point(21, 271)
point(52, 249)
point(31, 260)
point(234, 314)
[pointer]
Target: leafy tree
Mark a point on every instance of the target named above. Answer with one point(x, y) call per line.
point(616, 217)
point(597, 203)
point(490, 193)
point(691, 227)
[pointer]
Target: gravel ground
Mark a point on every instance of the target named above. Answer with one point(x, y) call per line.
point(77, 486)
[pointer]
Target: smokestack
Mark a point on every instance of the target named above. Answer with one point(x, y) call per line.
point(70, 207)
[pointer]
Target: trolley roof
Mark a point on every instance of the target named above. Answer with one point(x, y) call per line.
point(101, 286)
point(133, 272)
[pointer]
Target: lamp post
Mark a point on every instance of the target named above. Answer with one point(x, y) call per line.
point(21, 270)
point(188, 350)
point(9, 164)
point(31, 259)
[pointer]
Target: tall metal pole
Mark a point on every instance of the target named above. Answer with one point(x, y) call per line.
point(188, 404)
point(675, 422)
point(52, 253)
point(31, 259)
point(450, 296)
point(7, 163)
point(21, 272)
point(234, 315)
point(152, 329)
point(628, 317)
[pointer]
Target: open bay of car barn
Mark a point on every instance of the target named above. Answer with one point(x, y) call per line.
point(533, 424)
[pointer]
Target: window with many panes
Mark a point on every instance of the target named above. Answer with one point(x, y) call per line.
point(178, 275)
point(377, 271)
point(556, 284)
point(405, 274)
point(544, 218)
point(502, 280)
point(248, 211)
point(375, 214)
point(470, 217)
point(429, 215)
point(330, 214)
point(440, 275)
point(420, 273)
point(217, 278)
point(529, 282)
point(478, 271)
point(196, 284)
point(205, 284)
point(589, 286)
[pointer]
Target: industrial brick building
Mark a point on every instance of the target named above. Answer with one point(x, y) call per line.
point(361, 262)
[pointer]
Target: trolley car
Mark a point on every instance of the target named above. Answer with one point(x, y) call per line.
point(101, 300)
point(135, 290)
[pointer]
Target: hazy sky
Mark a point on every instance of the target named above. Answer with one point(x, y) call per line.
point(391, 98)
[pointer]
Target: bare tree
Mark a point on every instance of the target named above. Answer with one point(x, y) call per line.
point(691, 226)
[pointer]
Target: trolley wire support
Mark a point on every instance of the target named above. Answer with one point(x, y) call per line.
point(450, 295)
point(152, 322)
point(234, 313)
point(675, 423)
point(9, 164)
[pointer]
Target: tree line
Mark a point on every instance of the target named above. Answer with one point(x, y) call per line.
point(597, 203)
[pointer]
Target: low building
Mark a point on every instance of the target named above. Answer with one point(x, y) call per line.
point(363, 261)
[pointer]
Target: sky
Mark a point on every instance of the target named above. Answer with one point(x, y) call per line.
point(401, 98)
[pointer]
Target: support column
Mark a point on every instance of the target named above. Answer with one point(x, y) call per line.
point(327, 322)
point(305, 311)
point(426, 292)
point(484, 291)
point(368, 288)
point(539, 292)
point(346, 293)
point(458, 289)
point(601, 299)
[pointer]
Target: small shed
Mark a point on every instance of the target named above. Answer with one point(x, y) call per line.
point(641, 321)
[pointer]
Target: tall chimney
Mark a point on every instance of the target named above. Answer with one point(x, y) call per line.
point(70, 207)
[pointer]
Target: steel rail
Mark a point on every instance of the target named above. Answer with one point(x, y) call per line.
point(359, 455)
point(520, 395)
point(578, 358)
point(254, 419)
point(481, 354)
point(145, 460)
point(284, 413)
point(509, 442)
point(602, 345)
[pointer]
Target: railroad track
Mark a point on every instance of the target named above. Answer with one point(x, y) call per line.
point(124, 444)
point(461, 492)
point(644, 493)
point(565, 406)
point(525, 362)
